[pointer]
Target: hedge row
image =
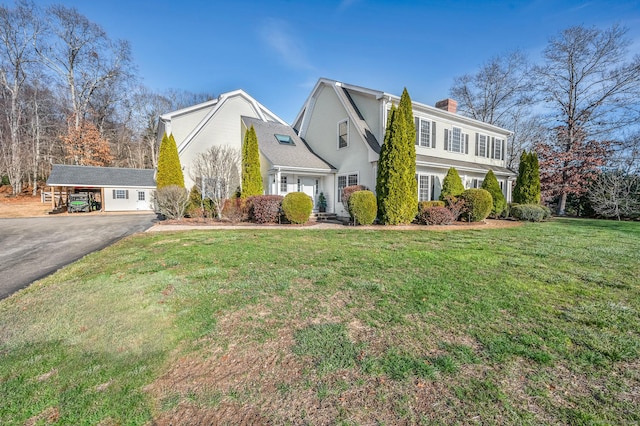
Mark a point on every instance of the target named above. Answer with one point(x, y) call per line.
point(530, 212)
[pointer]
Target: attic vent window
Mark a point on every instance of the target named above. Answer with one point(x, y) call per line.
point(285, 139)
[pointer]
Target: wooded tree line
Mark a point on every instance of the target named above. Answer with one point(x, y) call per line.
point(69, 94)
point(577, 107)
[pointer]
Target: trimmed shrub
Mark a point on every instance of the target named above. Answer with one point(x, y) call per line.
point(530, 212)
point(264, 208)
point(490, 183)
point(451, 185)
point(297, 207)
point(347, 191)
point(426, 204)
point(235, 209)
point(478, 204)
point(547, 212)
point(363, 207)
point(435, 215)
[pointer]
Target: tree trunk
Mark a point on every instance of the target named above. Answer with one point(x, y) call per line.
point(563, 204)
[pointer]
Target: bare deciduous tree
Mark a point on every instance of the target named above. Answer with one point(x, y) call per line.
point(216, 173)
point(81, 54)
point(616, 194)
point(500, 94)
point(590, 86)
point(19, 29)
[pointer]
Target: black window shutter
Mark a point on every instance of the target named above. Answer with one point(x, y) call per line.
point(493, 142)
point(446, 139)
point(114, 194)
point(433, 134)
point(477, 142)
point(503, 149)
point(126, 194)
point(466, 143)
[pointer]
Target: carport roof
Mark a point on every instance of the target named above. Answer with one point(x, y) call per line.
point(90, 176)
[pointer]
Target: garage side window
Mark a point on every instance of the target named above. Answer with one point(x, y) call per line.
point(120, 194)
point(140, 196)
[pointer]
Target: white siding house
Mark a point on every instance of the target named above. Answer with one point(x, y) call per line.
point(335, 141)
point(216, 122)
point(345, 125)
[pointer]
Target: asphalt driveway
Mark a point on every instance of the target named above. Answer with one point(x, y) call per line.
point(32, 248)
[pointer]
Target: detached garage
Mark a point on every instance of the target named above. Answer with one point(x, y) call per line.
point(109, 188)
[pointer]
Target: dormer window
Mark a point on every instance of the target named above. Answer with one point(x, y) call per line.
point(285, 139)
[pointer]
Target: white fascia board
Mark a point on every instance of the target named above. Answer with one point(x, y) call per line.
point(301, 169)
point(207, 104)
point(311, 98)
point(450, 116)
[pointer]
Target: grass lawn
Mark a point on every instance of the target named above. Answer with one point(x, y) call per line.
point(527, 325)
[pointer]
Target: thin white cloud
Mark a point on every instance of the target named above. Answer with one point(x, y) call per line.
point(276, 34)
point(346, 4)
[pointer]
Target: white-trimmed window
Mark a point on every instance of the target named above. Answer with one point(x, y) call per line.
point(120, 194)
point(299, 185)
point(423, 187)
point(475, 183)
point(283, 183)
point(498, 149)
point(317, 187)
point(141, 196)
point(344, 181)
point(482, 148)
point(456, 141)
point(425, 130)
point(343, 134)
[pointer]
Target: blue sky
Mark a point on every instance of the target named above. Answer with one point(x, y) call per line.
point(277, 50)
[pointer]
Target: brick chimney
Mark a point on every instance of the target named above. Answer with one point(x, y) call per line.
point(447, 105)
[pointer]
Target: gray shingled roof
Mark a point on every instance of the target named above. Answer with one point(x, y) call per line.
point(63, 175)
point(463, 165)
point(298, 155)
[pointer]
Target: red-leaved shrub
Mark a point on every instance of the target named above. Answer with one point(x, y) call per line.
point(435, 216)
point(264, 208)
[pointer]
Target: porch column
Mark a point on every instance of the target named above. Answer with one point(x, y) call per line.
point(278, 182)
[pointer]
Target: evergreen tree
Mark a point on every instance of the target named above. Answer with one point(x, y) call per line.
point(490, 183)
point(169, 168)
point(251, 177)
point(451, 185)
point(398, 196)
point(527, 189)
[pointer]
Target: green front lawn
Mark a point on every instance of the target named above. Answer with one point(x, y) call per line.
point(528, 325)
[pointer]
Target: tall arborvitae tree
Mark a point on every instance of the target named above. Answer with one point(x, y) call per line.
point(251, 177)
point(396, 185)
point(527, 189)
point(490, 183)
point(451, 185)
point(169, 168)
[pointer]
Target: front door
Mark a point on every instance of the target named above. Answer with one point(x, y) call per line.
point(309, 188)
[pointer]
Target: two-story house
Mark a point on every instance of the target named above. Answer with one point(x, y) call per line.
point(335, 141)
point(345, 125)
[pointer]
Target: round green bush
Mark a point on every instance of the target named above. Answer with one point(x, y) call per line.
point(297, 207)
point(478, 204)
point(363, 206)
point(530, 212)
